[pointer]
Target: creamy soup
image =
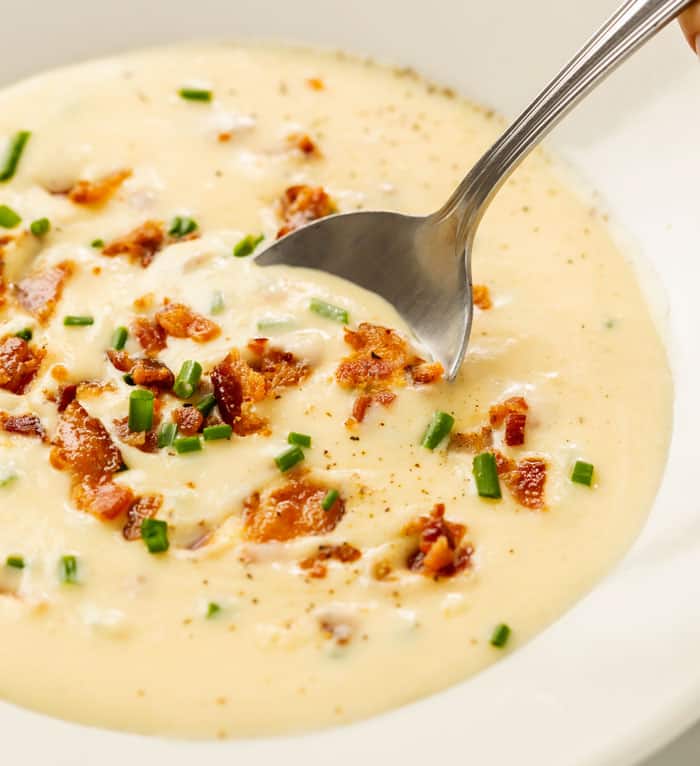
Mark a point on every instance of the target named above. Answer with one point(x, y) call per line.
point(222, 510)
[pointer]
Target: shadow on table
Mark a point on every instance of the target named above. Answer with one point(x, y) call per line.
point(683, 752)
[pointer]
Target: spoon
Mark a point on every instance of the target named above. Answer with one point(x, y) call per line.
point(422, 265)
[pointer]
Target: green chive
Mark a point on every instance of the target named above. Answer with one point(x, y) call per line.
point(206, 404)
point(500, 636)
point(182, 225)
point(187, 379)
point(140, 410)
point(77, 321)
point(8, 218)
point(15, 562)
point(195, 94)
point(25, 334)
point(289, 458)
point(217, 303)
point(220, 431)
point(155, 534)
point(582, 473)
point(486, 476)
point(97, 243)
point(330, 499)
point(119, 338)
point(278, 324)
point(7, 476)
point(40, 227)
point(301, 439)
point(187, 444)
point(128, 378)
point(166, 435)
point(247, 245)
point(438, 428)
point(329, 311)
point(212, 610)
point(14, 153)
point(68, 570)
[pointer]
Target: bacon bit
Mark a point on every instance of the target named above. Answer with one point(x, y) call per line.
point(145, 507)
point(150, 335)
point(344, 553)
point(237, 387)
point(439, 553)
point(304, 143)
point(525, 479)
point(302, 204)
point(281, 369)
point(427, 372)
point(482, 297)
point(19, 364)
point(120, 360)
point(515, 428)
point(498, 413)
point(315, 83)
point(474, 441)
point(189, 420)
point(145, 441)
point(83, 447)
point(365, 401)
point(149, 373)
point(98, 192)
point(290, 511)
point(25, 425)
point(180, 321)
point(142, 244)
point(66, 394)
point(39, 293)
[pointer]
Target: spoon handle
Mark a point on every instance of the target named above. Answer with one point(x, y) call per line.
point(632, 25)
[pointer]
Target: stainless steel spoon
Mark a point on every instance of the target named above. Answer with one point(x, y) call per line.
point(422, 264)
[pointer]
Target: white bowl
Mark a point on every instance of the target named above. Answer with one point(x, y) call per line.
point(618, 675)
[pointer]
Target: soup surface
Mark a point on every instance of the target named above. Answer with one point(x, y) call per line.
point(172, 560)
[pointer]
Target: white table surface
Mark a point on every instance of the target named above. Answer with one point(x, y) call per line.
point(683, 752)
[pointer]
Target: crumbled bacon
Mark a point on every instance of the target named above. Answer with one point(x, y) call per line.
point(189, 420)
point(120, 360)
point(302, 204)
point(66, 394)
point(40, 292)
point(237, 387)
point(473, 441)
point(281, 369)
point(440, 551)
point(142, 244)
point(98, 192)
point(427, 372)
point(525, 479)
point(19, 364)
point(146, 372)
point(70, 391)
point(180, 321)
point(515, 429)
point(150, 335)
point(146, 441)
point(303, 142)
point(25, 425)
point(83, 447)
point(498, 413)
point(292, 510)
point(145, 507)
point(315, 564)
point(512, 412)
point(365, 401)
point(482, 297)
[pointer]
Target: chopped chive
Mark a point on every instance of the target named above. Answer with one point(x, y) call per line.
point(289, 458)
point(217, 303)
point(247, 245)
point(187, 379)
point(582, 473)
point(275, 324)
point(187, 444)
point(155, 534)
point(195, 94)
point(329, 311)
point(97, 243)
point(330, 499)
point(206, 404)
point(500, 636)
point(119, 337)
point(140, 410)
point(438, 428)
point(182, 225)
point(486, 476)
point(301, 439)
point(7, 476)
point(166, 435)
point(77, 321)
point(15, 562)
point(219, 431)
point(14, 153)
point(212, 610)
point(40, 227)
point(8, 218)
point(25, 334)
point(128, 378)
point(68, 570)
